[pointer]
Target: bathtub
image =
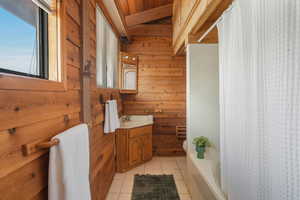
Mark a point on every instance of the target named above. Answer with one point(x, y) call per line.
point(203, 176)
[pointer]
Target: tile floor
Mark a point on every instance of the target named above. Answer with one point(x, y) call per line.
point(122, 185)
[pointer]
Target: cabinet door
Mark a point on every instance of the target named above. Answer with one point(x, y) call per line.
point(147, 147)
point(135, 151)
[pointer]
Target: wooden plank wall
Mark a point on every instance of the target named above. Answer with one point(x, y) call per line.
point(102, 146)
point(36, 115)
point(161, 90)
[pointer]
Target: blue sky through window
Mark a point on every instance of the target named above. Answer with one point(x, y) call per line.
point(17, 43)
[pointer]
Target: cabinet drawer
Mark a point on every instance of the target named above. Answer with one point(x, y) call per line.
point(140, 131)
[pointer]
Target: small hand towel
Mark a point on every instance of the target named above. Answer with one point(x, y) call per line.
point(112, 121)
point(69, 165)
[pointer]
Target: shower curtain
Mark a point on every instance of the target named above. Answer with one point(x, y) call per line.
point(259, 43)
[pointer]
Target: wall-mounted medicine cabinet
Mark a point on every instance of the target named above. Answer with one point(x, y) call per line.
point(128, 73)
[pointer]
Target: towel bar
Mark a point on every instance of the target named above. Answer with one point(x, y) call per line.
point(33, 147)
point(181, 132)
point(46, 145)
point(103, 100)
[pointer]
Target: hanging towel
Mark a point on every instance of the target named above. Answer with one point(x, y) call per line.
point(112, 121)
point(69, 165)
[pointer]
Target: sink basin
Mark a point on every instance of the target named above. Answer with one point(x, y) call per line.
point(136, 121)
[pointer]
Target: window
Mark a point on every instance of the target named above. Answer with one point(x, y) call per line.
point(107, 53)
point(24, 39)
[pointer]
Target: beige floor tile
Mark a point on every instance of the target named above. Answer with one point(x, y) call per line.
point(181, 163)
point(112, 196)
point(120, 176)
point(183, 168)
point(115, 186)
point(154, 171)
point(129, 177)
point(149, 168)
point(138, 170)
point(170, 170)
point(153, 165)
point(181, 159)
point(169, 165)
point(167, 159)
point(156, 158)
point(185, 197)
point(181, 187)
point(127, 187)
point(184, 175)
point(177, 175)
point(124, 197)
point(122, 185)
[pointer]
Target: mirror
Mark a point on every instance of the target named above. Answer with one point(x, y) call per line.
point(129, 72)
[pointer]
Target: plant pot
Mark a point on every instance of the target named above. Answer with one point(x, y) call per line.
point(200, 155)
point(200, 149)
point(200, 152)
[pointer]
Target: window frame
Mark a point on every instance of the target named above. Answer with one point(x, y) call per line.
point(9, 81)
point(42, 39)
point(115, 77)
point(43, 44)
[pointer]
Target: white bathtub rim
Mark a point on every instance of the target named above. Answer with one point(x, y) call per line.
point(206, 165)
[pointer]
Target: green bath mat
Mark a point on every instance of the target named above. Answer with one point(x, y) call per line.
point(154, 187)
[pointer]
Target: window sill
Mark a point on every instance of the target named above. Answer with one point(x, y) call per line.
point(125, 91)
point(108, 89)
point(15, 82)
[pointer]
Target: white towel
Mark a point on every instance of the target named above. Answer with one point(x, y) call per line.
point(112, 121)
point(69, 166)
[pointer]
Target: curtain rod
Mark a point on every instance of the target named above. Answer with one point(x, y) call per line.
point(216, 22)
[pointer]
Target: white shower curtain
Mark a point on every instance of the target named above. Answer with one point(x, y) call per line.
point(259, 43)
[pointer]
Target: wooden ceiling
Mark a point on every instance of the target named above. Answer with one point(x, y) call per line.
point(130, 7)
point(144, 14)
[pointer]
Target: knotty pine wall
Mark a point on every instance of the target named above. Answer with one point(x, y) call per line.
point(102, 146)
point(39, 115)
point(161, 87)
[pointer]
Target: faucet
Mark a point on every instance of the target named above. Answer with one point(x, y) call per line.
point(127, 118)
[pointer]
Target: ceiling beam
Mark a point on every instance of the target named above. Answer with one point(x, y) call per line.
point(154, 30)
point(122, 16)
point(211, 38)
point(204, 15)
point(108, 17)
point(149, 15)
point(200, 29)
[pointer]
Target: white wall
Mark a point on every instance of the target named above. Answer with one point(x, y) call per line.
point(203, 93)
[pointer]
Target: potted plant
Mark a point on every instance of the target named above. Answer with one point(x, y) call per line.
point(200, 144)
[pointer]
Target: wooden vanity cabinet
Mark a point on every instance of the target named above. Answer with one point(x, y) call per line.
point(147, 147)
point(134, 147)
